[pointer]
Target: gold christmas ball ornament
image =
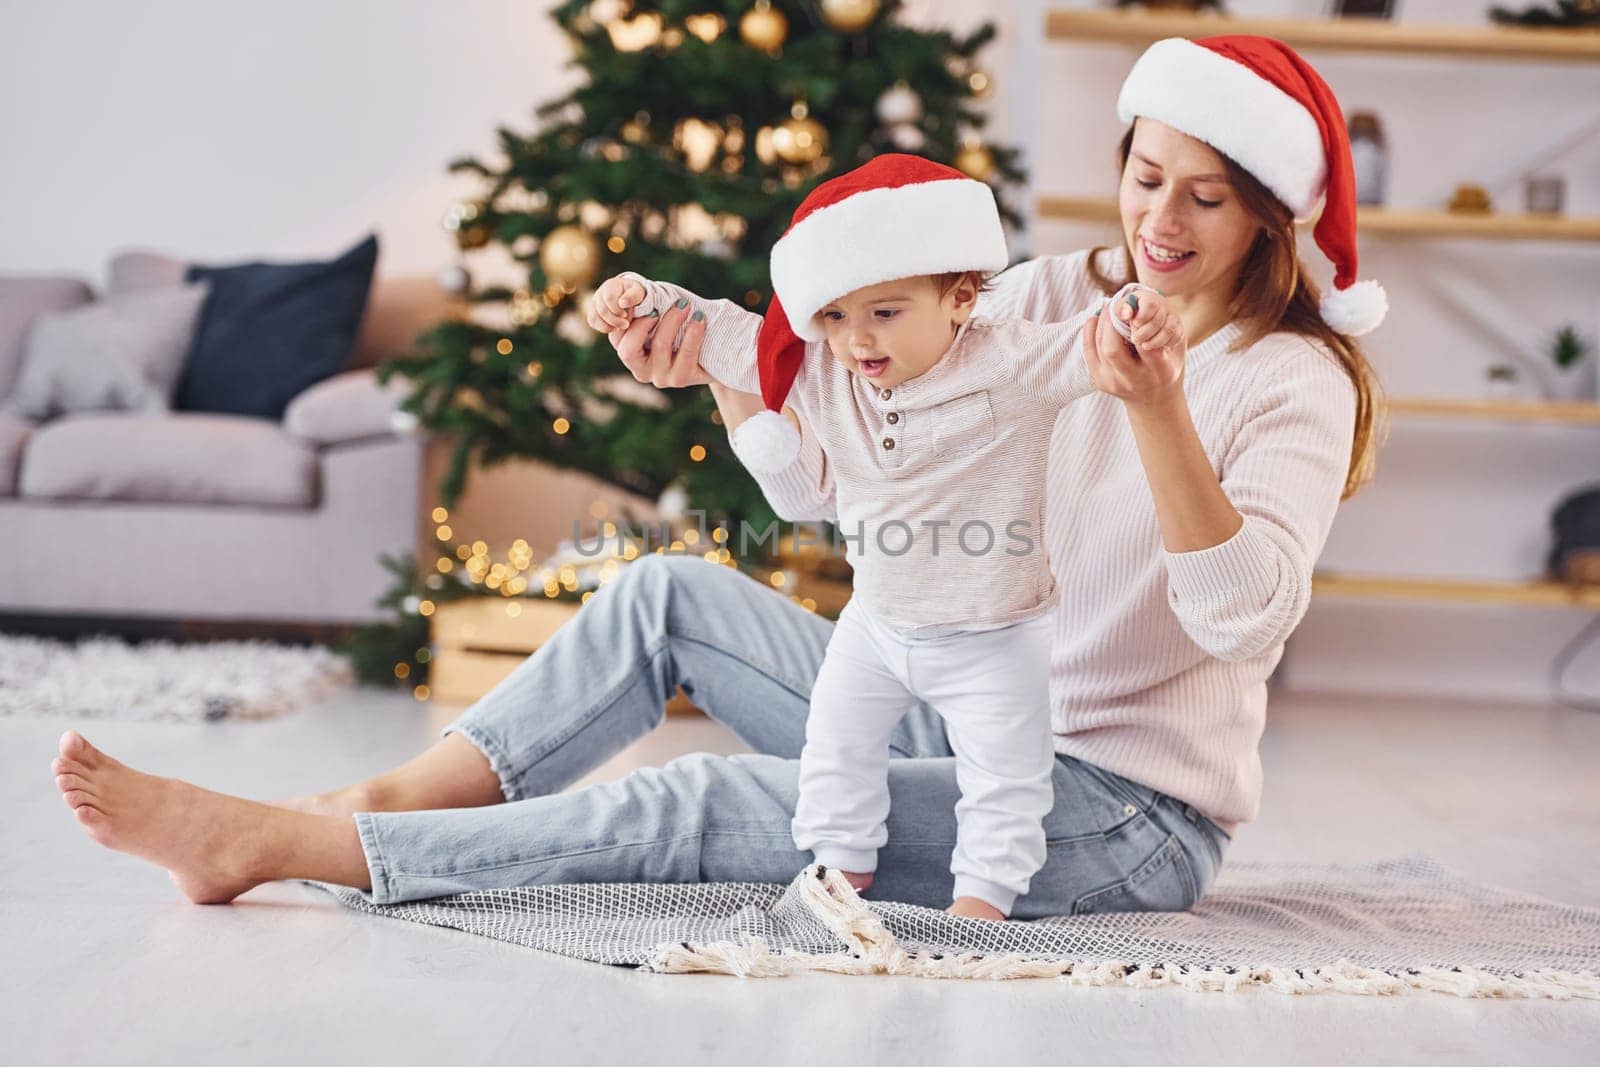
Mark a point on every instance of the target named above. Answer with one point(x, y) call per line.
point(470, 237)
point(706, 27)
point(975, 161)
point(764, 150)
point(635, 34)
point(570, 256)
point(899, 104)
point(698, 141)
point(799, 138)
point(848, 16)
point(763, 27)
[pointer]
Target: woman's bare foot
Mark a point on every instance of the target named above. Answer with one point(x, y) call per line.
point(214, 846)
point(973, 908)
point(451, 773)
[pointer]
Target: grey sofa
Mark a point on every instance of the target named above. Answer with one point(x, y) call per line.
point(190, 516)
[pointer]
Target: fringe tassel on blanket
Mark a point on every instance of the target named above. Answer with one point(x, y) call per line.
point(875, 951)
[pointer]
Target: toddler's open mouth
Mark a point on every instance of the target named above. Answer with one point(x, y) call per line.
point(873, 367)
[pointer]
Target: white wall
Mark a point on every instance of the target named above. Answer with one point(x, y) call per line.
point(230, 131)
point(287, 130)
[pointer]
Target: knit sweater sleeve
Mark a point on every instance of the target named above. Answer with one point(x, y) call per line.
point(1284, 471)
point(802, 491)
point(728, 352)
point(1048, 359)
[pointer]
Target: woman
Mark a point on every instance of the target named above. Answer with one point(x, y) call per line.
point(1188, 503)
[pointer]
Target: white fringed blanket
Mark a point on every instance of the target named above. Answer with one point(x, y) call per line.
point(1385, 927)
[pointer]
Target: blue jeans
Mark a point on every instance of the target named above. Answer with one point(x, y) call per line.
point(747, 656)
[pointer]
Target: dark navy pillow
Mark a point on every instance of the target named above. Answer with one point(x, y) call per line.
point(268, 331)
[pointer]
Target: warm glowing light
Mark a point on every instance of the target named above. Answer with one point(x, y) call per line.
point(561, 426)
point(425, 608)
point(697, 453)
point(778, 579)
point(402, 669)
point(443, 533)
point(445, 564)
point(440, 514)
point(421, 692)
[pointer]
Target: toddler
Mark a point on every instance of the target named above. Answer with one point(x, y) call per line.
point(935, 423)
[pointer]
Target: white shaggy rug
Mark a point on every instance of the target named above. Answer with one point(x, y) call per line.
point(1381, 928)
point(106, 678)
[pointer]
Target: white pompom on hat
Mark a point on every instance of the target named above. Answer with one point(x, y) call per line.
point(1258, 102)
point(896, 216)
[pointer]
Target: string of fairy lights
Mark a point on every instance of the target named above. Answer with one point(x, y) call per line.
point(565, 575)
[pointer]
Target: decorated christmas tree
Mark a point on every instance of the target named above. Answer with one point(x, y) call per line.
point(698, 128)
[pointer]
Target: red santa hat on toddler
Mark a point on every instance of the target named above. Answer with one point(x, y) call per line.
point(898, 216)
point(1255, 100)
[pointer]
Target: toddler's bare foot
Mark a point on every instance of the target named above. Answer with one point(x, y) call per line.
point(208, 842)
point(973, 908)
point(859, 882)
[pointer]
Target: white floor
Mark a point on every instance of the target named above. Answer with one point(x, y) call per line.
point(101, 963)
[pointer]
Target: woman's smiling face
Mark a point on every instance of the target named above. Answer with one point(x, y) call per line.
point(1184, 223)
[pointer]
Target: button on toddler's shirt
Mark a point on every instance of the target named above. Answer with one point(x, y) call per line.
point(893, 417)
point(888, 442)
point(886, 394)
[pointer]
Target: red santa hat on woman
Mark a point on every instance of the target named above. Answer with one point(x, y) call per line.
point(899, 216)
point(1259, 103)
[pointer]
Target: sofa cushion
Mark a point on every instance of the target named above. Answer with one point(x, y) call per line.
point(135, 269)
point(120, 353)
point(347, 407)
point(177, 458)
point(23, 300)
point(13, 435)
point(270, 330)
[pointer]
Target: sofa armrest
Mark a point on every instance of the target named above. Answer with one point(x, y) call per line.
point(351, 406)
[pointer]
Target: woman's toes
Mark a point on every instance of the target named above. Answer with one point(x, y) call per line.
point(77, 797)
point(72, 781)
point(95, 822)
point(75, 747)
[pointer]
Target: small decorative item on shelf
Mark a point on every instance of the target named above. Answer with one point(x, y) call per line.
point(1575, 538)
point(1368, 155)
point(1471, 200)
point(1563, 14)
point(1574, 374)
point(1502, 382)
point(1368, 9)
point(1545, 193)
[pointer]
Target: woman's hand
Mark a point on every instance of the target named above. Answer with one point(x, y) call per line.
point(1150, 370)
point(663, 350)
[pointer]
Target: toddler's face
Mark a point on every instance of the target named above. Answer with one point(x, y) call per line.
point(893, 331)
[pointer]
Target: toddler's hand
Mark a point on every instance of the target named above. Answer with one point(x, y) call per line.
point(613, 304)
point(1152, 327)
point(1135, 350)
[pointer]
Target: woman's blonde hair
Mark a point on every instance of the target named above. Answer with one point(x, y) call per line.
point(1276, 294)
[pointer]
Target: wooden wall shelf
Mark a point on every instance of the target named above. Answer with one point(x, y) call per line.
point(1529, 594)
point(1386, 221)
point(1570, 413)
point(1333, 35)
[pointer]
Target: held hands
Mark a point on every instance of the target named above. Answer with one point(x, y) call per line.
point(1148, 370)
point(613, 304)
point(661, 350)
